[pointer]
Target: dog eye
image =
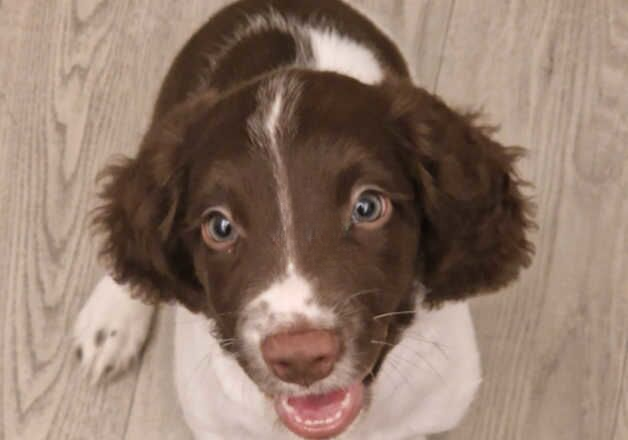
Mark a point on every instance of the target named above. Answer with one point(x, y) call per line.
point(371, 208)
point(218, 231)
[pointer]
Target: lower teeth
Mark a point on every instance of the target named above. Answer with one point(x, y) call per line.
point(327, 421)
point(345, 401)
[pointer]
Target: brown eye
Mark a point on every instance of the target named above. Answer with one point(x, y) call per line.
point(218, 231)
point(371, 209)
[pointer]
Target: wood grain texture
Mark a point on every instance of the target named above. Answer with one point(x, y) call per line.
point(77, 81)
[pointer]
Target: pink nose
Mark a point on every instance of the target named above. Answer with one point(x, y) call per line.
point(302, 357)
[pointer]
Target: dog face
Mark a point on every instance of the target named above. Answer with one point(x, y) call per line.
point(303, 213)
point(324, 225)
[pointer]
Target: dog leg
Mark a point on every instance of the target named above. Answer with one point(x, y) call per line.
point(111, 330)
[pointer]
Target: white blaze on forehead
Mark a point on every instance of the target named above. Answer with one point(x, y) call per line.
point(291, 296)
point(273, 118)
point(270, 126)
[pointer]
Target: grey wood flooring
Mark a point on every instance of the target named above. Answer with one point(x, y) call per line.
point(77, 80)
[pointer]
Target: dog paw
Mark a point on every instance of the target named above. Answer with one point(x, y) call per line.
point(110, 331)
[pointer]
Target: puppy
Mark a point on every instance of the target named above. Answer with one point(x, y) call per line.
point(317, 220)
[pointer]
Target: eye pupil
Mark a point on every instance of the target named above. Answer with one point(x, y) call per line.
point(368, 208)
point(219, 228)
point(365, 208)
point(222, 227)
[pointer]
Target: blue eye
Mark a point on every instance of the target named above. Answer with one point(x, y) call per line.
point(368, 208)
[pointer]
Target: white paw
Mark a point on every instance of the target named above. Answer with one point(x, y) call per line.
point(111, 330)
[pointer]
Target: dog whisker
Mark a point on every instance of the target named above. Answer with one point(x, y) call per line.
point(203, 361)
point(227, 342)
point(344, 301)
point(440, 347)
point(413, 352)
point(403, 312)
point(422, 359)
point(394, 367)
point(374, 341)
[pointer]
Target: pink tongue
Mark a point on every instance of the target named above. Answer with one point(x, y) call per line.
point(318, 406)
point(321, 415)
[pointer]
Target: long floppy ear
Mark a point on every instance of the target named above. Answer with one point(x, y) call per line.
point(141, 213)
point(474, 216)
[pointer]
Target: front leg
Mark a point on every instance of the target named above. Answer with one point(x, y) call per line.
point(111, 330)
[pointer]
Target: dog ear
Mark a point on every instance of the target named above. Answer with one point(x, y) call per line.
point(141, 213)
point(474, 217)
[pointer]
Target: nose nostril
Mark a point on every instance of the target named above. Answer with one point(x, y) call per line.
point(321, 359)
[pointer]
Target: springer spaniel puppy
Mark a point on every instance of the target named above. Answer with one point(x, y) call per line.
point(318, 221)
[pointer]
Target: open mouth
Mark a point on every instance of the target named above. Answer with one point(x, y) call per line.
point(317, 416)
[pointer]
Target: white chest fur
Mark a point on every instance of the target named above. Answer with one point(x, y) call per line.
point(426, 383)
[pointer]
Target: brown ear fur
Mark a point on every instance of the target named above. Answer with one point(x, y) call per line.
point(140, 213)
point(475, 218)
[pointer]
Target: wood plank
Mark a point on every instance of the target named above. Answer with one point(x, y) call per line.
point(66, 102)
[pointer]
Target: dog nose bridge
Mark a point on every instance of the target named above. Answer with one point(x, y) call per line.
point(302, 357)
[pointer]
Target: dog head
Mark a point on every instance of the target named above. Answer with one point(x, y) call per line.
point(306, 213)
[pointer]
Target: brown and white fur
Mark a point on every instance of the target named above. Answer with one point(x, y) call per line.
point(279, 115)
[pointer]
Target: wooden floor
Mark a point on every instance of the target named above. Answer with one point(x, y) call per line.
point(77, 80)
